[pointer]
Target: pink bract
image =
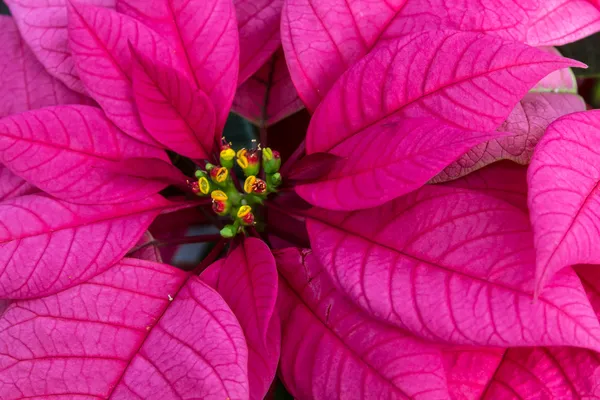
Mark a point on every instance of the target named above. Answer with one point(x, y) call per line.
point(139, 329)
point(323, 39)
point(330, 349)
point(563, 195)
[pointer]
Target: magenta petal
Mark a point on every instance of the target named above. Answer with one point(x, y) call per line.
point(13, 186)
point(560, 22)
point(68, 151)
point(322, 39)
point(106, 338)
point(331, 350)
point(48, 244)
point(269, 95)
point(503, 180)
point(469, 370)
point(247, 280)
point(452, 265)
point(147, 249)
point(24, 83)
point(258, 25)
point(204, 36)
point(385, 85)
point(561, 81)
point(387, 160)
point(43, 25)
point(176, 114)
point(546, 373)
point(563, 195)
point(98, 39)
point(524, 127)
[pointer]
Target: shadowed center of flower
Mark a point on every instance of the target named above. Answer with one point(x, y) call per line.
point(239, 202)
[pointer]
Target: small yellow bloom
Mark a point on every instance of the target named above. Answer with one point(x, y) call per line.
point(242, 160)
point(227, 154)
point(243, 211)
point(267, 154)
point(219, 195)
point(222, 174)
point(249, 184)
point(204, 185)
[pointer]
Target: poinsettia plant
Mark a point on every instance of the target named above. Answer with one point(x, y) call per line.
point(383, 258)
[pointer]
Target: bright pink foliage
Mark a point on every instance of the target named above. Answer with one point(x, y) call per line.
point(138, 330)
point(203, 38)
point(67, 151)
point(43, 25)
point(563, 195)
point(323, 39)
point(24, 83)
point(452, 265)
point(392, 262)
point(330, 349)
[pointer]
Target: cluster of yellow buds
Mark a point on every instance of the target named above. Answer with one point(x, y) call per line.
point(227, 200)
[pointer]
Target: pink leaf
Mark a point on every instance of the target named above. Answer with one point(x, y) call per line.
point(546, 373)
point(560, 22)
point(147, 249)
point(388, 160)
point(452, 265)
point(138, 330)
point(204, 36)
point(503, 180)
point(269, 95)
point(561, 81)
point(525, 127)
point(258, 25)
point(457, 72)
point(48, 244)
point(12, 186)
point(68, 151)
point(43, 25)
point(24, 83)
point(98, 39)
point(323, 39)
point(469, 369)
point(331, 350)
point(176, 114)
point(247, 280)
point(563, 195)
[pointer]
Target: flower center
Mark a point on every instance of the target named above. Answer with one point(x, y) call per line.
point(228, 199)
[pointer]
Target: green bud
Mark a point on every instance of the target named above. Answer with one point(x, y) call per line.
point(229, 231)
point(275, 180)
point(199, 174)
point(271, 160)
point(227, 157)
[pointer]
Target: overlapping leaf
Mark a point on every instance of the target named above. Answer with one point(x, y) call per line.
point(457, 72)
point(24, 83)
point(452, 265)
point(176, 114)
point(503, 180)
point(99, 41)
point(524, 127)
point(332, 350)
point(563, 198)
point(269, 95)
point(43, 25)
point(323, 39)
point(468, 370)
point(204, 37)
point(138, 330)
point(561, 81)
point(48, 244)
point(69, 151)
point(13, 186)
point(388, 160)
point(258, 25)
point(247, 280)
